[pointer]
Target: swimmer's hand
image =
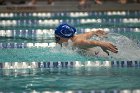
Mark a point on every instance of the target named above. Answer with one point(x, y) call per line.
point(100, 33)
point(108, 46)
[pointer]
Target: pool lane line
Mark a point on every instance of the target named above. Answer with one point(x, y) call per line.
point(49, 33)
point(26, 45)
point(87, 91)
point(69, 64)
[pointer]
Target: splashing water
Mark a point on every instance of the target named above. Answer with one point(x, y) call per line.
point(128, 49)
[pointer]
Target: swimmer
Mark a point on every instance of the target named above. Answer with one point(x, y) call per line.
point(65, 32)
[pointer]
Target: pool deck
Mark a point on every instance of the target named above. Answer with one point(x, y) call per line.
point(74, 6)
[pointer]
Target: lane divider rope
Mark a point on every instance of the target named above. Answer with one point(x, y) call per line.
point(75, 64)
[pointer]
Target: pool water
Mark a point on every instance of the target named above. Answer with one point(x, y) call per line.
point(70, 79)
point(22, 39)
point(128, 50)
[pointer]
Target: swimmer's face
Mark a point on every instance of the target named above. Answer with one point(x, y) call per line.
point(60, 40)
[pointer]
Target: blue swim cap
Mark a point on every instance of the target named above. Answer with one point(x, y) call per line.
point(65, 31)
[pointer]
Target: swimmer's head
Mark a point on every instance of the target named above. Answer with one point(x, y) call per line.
point(65, 31)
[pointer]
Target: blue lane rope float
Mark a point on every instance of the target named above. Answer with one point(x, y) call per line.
point(52, 22)
point(47, 33)
point(97, 91)
point(11, 45)
point(69, 14)
point(90, 91)
point(74, 64)
point(26, 45)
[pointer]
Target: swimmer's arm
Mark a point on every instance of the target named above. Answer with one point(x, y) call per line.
point(104, 45)
point(97, 33)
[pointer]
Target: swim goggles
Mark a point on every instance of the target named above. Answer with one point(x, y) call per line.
point(57, 39)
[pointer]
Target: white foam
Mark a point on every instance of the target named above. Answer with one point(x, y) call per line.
point(128, 49)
